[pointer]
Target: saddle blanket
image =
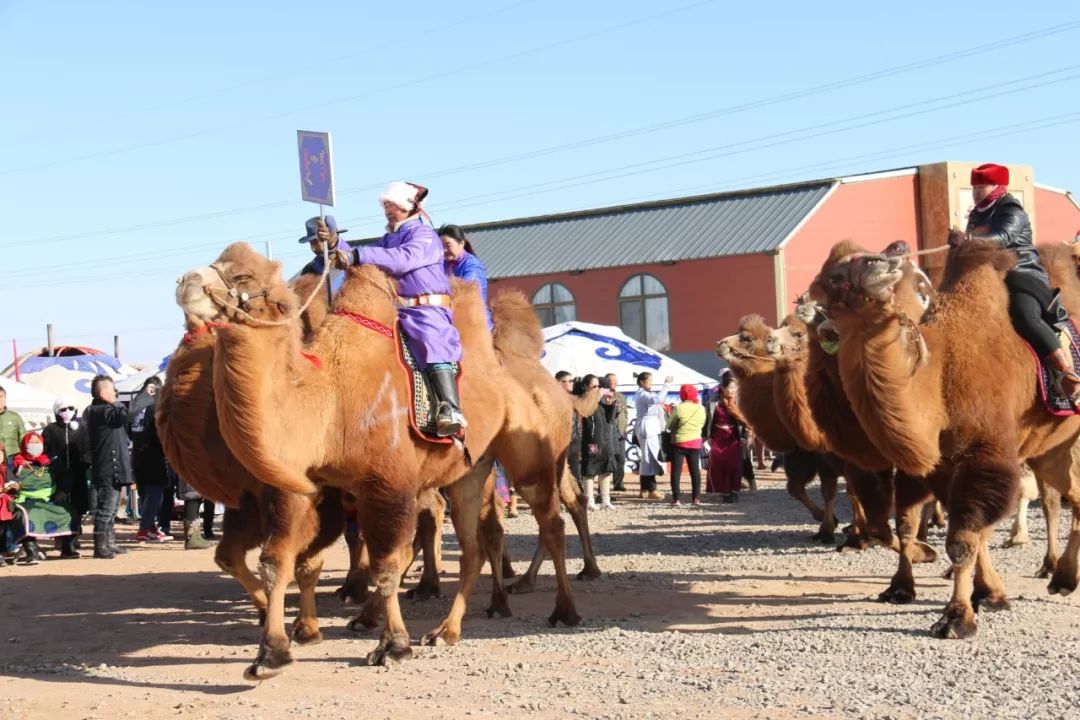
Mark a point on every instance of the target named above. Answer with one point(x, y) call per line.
point(423, 405)
point(1056, 402)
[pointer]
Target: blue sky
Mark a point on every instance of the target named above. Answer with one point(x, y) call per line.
point(141, 138)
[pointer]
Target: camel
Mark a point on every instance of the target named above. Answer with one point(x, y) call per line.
point(868, 491)
point(746, 354)
point(361, 440)
point(256, 514)
point(954, 400)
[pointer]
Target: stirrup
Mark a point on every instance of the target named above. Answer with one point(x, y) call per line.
point(1058, 377)
point(449, 422)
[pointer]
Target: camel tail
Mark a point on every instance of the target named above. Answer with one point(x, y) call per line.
point(517, 329)
point(243, 406)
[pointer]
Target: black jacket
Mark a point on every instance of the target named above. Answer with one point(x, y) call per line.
point(110, 457)
point(67, 450)
point(147, 455)
point(1006, 223)
point(599, 435)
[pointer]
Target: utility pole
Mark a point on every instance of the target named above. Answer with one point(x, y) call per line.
point(49, 339)
point(269, 250)
point(116, 346)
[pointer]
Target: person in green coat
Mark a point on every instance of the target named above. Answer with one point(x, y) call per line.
point(46, 512)
point(12, 427)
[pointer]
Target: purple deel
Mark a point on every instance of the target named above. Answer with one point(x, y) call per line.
point(413, 254)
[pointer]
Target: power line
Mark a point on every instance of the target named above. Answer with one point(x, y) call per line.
point(396, 87)
point(764, 102)
point(337, 59)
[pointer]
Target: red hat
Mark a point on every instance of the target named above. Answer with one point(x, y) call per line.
point(990, 174)
point(688, 392)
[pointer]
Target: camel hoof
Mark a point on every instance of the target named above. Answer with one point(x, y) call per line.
point(854, 543)
point(350, 593)
point(954, 625)
point(567, 617)
point(824, 537)
point(1061, 583)
point(391, 653)
point(947, 575)
point(268, 664)
point(923, 553)
point(993, 602)
point(361, 624)
point(303, 635)
point(424, 592)
point(502, 611)
point(846, 529)
point(589, 572)
point(1048, 568)
point(524, 586)
point(1017, 541)
point(509, 571)
point(440, 636)
point(896, 595)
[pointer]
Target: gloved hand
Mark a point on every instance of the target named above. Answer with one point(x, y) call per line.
point(957, 237)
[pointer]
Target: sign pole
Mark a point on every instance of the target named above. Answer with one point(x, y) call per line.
point(326, 264)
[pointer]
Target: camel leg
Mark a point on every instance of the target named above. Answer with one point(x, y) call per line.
point(527, 582)
point(574, 501)
point(982, 488)
point(507, 565)
point(910, 498)
point(827, 531)
point(428, 526)
point(800, 467)
point(355, 589)
point(491, 536)
point(241, 531)
point(873, 494)
point(466, 499)
point(1050, 501)
point(331, 523)
point(542, 495)
point(390, 525)
point(989, 590)
point(1018, 534)
point(1064, 579)
point(289, 531)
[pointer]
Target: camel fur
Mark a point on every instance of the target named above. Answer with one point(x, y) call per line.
point(351, 407)
point(747, 355)
point(952, 400)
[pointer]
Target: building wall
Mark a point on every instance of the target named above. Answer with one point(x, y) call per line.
point(706, 298)
point(1058, 216)
point(872, 213)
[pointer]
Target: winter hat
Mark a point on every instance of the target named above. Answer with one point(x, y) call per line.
point(688, 393)
point(990, 174)
point(312, 228)
point(405, 195)
point(61, 403)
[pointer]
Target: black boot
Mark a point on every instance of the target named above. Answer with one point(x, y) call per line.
point(113, 547)
point(449, 420)
point(67, 548)
point(34, 549)
point(101, 546)
point(28, 556)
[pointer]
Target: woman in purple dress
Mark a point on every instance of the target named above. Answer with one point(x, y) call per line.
point(725, 428)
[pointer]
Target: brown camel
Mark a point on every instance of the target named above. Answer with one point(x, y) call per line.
point(953, 400)
point(255, 514)
point(360, 436)
point(755, 371)
point(869, 492)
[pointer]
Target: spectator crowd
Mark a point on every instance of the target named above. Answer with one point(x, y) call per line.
point(105, 465)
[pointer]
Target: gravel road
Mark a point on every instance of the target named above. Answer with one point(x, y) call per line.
point(703, 612)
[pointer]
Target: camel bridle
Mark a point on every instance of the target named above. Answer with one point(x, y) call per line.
point(243, 299)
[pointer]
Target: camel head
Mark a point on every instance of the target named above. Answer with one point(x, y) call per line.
point(746, 348)
point(241, 284)
point(788, 341)
point(808, 310)
point(853, 279)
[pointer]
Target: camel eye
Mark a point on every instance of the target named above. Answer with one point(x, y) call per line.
point(241, 279)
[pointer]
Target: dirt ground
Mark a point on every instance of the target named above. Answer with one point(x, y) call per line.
point(717, 611)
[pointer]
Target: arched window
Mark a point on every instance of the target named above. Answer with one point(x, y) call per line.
point(554, 304)
point(643, 311)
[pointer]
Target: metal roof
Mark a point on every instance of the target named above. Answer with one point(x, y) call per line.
point(735, 223)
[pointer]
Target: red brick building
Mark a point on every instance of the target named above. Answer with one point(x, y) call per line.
point(678, 274)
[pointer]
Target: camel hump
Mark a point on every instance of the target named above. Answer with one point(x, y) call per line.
point(517, 329)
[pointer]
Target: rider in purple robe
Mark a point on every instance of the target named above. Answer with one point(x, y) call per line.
point(412, 253)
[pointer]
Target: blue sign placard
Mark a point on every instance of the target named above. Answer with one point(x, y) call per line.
point(316, 168)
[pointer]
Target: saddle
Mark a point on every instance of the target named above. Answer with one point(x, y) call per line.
point(423, 403)
point(1056, 401)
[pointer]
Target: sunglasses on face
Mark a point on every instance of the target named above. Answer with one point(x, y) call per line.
point(67, 408)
